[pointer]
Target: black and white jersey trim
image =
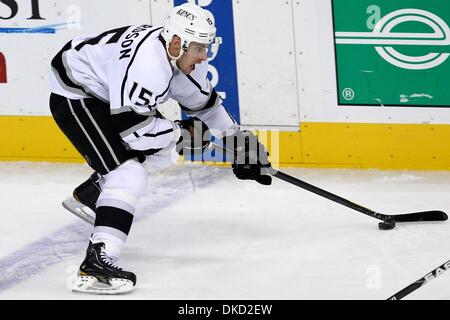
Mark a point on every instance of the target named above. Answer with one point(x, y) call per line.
point(150, 152)
point(130, 122)
point(164, 92)
point(153, 135)
point(65, 78)
point(213, 101)
point(197, 85)
point(125, 78)
point(61, 70)
point(123, 109)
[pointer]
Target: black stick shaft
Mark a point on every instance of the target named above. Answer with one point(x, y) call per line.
point(418, 283)
point(416, 216)
point(316, 190)
point(328, 195)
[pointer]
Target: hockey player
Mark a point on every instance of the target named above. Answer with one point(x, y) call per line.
point(105, 90)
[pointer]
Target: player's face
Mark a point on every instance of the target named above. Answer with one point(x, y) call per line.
point(195, 54)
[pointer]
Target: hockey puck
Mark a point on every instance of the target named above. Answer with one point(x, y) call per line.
point(386, 225)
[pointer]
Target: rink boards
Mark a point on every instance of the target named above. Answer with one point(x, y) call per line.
point(326, 88)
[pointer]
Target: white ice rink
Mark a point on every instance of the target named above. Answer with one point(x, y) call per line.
point(202, 234)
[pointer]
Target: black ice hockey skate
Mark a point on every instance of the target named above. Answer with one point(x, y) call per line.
point(88, 192)
point(98, 274)
point(84, 199)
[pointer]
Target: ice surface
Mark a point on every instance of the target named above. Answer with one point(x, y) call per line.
point(202, 234)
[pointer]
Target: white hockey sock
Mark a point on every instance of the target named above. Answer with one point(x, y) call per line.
point(113, 244)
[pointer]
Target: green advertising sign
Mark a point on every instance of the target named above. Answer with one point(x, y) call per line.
point(392, 53)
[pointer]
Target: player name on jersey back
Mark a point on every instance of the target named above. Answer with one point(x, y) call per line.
point(130, 38)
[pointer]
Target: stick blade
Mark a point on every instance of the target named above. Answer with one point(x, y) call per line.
point(434, 215)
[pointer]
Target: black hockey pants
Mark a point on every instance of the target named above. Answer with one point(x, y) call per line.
point(87, 124)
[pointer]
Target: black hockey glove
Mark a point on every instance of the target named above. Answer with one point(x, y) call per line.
point(195, 136)
point(250, 157)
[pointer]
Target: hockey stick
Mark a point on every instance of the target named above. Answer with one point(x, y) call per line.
point(418, 283)
point(388, 220)
point(434, 215)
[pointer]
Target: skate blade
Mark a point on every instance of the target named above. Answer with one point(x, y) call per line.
point(79, 209)
point(90, 285)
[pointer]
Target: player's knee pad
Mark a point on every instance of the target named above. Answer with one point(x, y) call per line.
point(122, 187)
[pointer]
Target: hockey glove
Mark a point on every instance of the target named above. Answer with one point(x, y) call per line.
point(195, 136)
point(250, 158)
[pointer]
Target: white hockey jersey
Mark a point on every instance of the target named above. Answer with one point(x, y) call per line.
point(128, 68)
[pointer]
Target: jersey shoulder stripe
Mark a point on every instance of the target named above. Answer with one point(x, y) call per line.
point(59, 66)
